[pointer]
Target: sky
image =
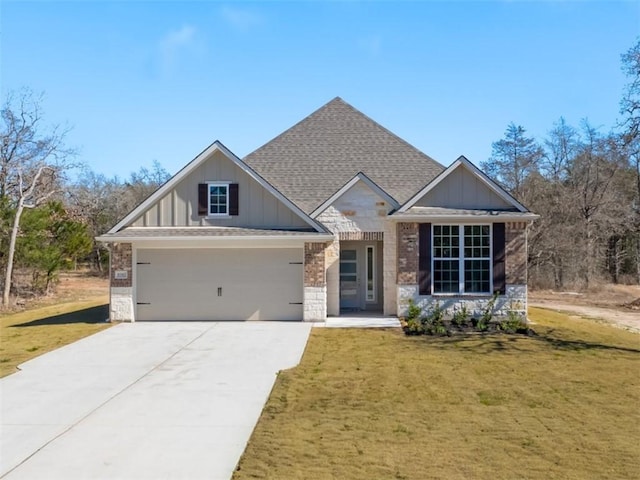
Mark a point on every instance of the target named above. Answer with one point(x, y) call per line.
point(139, 81)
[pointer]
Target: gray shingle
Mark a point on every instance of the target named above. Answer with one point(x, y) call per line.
point(309, 162)
point(169, 232)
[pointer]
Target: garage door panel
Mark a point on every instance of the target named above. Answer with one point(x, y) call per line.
point(219, 284)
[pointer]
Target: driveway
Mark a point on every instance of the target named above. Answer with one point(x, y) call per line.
point(144, 401)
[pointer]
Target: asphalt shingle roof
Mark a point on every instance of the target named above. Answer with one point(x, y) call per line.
point(313, 159)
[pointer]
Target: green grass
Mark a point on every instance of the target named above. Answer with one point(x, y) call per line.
point(378, 405)
point(28, 334)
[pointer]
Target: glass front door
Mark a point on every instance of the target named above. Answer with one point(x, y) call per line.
point(349, 281)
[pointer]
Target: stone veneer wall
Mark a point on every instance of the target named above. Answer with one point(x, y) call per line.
point(515, 298)
point(315, 287)
point(389, 268)
point(332, 265)
point(121, 290)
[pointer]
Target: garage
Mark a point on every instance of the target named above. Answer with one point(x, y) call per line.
point(219, 284)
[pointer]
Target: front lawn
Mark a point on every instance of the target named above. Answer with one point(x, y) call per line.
point(375, 404)
point(33, 332)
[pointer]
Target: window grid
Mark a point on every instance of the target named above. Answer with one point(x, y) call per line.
point(218, 199)
point(461, 270)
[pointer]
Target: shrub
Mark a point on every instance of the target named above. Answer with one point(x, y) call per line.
point(460, 317)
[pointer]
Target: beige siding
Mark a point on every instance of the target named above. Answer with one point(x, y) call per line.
point(258, 207)
point(462, 189)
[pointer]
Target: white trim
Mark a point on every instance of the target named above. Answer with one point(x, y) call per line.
point(462, 161)
point(461, 259)
point(195, 163)
point(217, 184)
point(358, 177)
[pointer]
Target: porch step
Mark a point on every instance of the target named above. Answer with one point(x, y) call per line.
point(359, 322)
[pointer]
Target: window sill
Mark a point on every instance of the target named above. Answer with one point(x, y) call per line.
point(217, 217)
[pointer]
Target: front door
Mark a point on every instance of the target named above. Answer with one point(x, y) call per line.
point(349, 281)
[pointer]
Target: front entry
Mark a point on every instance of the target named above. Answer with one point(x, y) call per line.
point(360, 276)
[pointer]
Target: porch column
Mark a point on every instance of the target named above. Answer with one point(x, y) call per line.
point(407, 265)
point(516, 265)
point(121, 283)
point(332, 264)
point(315, 285)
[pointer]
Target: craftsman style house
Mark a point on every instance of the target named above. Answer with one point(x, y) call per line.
point(335, 215)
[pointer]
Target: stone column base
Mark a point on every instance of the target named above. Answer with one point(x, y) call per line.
point(121, 307)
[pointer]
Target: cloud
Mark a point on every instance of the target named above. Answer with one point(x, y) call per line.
point(241, 19)
point(174, 43)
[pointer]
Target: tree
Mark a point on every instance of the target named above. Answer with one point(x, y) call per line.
point(50, 240)
point(513, 159)
point(630, 109)
point(33, 162)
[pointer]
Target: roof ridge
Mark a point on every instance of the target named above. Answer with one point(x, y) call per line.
point(318, 110)
point(402, 140)
point(333, 101)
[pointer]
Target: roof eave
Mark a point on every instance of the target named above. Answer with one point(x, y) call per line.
point(483, 217)
point(319, 237)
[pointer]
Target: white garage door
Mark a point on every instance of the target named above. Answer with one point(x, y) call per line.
point(219, 284)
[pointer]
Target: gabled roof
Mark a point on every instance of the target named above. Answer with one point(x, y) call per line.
point(195, 163)
point(462, 162)
point(359, 177)
point(313, 159)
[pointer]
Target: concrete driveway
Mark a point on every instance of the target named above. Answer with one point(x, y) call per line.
point(144, 401)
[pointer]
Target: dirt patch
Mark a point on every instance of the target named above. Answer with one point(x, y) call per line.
point(72, 287)
point(614, 304)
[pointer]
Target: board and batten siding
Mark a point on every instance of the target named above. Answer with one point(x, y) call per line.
point(463, 189)
point(257, 207)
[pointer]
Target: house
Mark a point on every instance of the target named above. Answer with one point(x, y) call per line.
point(335, 215)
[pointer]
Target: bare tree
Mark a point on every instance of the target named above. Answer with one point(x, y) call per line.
point(630, 109)
point(32, 164)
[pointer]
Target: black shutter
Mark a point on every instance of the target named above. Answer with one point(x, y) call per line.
point(233, 199)
point(499, 258)
point(424, 259)
point(203, 204)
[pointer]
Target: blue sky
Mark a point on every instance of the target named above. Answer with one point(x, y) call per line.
point(143, 81)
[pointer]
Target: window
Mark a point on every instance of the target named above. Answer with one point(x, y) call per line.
point(218, 199)
point(461, 259)
point(371, 273)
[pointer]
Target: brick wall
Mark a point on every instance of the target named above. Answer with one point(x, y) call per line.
point(516, 253)
point(121, 259)
point(368, 236)
point(407, 238)
point(314, 265)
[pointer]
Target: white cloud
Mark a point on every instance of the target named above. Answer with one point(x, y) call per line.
point(174, 43)
point(241, 19)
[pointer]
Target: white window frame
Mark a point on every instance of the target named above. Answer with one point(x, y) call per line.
point(461, 258)
point(374, 283)
point(217, 184)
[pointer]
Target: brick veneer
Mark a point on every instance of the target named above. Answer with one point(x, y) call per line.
point(407, 235)
point(314, 275)
point(368, 236)
point(121, 259)
point(516, 253)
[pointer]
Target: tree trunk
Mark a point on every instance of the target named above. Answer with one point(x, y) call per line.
point(12, 252)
